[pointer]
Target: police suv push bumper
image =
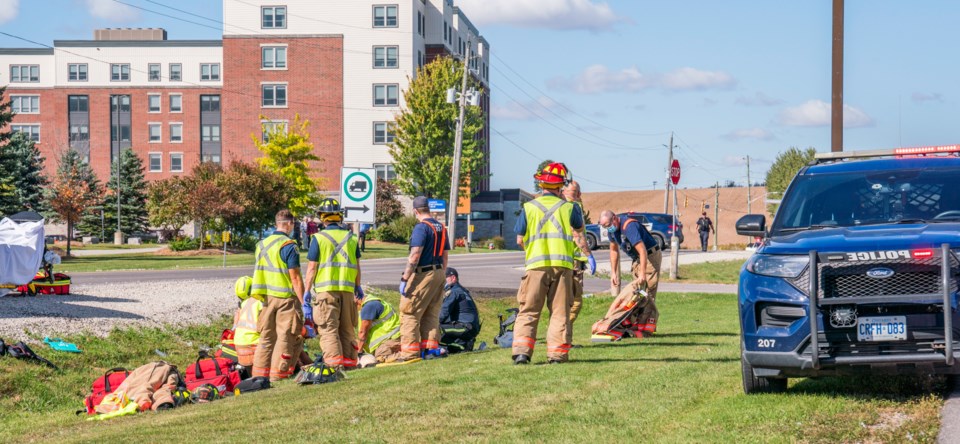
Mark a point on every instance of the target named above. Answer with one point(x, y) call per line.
point(798, 363)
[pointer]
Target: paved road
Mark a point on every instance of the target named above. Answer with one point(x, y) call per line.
point(495, 271)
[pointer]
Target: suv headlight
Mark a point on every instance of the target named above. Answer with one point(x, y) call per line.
point(786, 266)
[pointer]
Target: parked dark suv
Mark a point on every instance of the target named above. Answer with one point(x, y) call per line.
point(659, 225)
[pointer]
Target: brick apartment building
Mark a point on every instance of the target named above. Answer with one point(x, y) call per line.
point(341, 64)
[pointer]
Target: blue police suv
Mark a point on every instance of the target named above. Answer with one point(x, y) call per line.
point(858, 272)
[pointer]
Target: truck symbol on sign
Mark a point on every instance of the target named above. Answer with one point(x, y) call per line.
point(359, 186)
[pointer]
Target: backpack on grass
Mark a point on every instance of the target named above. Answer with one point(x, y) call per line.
point(217, 372)
point(103, 386)
point(505, 337)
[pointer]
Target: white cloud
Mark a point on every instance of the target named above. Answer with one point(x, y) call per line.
point(113, 11)
point(817, 113)
point(9, 10)
point(924, 97)
point(749, 133)
point(563, 15)
point(597, 79)
point(528, 110)
point(758, 99)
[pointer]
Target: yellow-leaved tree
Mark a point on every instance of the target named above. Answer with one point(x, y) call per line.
point(288, 152)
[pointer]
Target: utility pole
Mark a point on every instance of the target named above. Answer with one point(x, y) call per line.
point(674, 239)
point(457, 148)
point(666, 191)
point(716, 218)
point(748, 186)
point(836, 100)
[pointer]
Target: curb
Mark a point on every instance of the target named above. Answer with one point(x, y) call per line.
point(950, 416)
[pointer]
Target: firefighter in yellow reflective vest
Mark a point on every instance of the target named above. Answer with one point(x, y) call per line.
point(545, 230)
point(334, 273)
point(379, 329)
point(276, 277)
point(245, 334)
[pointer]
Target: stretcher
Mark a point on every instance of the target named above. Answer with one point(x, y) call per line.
point(606, 329)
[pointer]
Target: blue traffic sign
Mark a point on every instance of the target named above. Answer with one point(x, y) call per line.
point(437, 205)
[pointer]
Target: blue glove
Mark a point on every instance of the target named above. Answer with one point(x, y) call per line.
point(403, 288)
point(359, 293)
point(593, 264)
point(307, 306)
point(311, 333)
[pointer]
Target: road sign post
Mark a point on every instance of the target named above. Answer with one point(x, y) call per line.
point(358, 194)
point(674, 240)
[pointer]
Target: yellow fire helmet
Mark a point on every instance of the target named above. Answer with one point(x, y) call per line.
point(243, 287)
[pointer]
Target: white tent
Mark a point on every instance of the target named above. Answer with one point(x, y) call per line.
point(21, 250)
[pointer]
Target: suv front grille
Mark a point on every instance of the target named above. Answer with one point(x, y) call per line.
point(912, 277)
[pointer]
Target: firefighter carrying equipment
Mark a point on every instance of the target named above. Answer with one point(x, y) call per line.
point(270, 277)
point(554, 175)
point(549, 238)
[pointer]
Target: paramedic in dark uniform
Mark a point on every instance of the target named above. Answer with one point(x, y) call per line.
point(459, 318)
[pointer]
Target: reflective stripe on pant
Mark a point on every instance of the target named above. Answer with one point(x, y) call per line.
point(552, 286)
point(577, 298)
point(388, 351)
point(245, 354)
point(458, 337)
point(420, 313)
point(280, 327)
point(336, 317)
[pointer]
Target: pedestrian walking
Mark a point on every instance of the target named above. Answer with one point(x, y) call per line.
point(421, 286)
point(639, 314)
point(545, 229)
point(704, 227)
point(334, 273)
point(571, 193)
point(364, 230)
point(276, 277)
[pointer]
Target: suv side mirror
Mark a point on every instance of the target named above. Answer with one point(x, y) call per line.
point(754, 225)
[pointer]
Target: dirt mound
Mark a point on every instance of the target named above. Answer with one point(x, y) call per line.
point(733, 205)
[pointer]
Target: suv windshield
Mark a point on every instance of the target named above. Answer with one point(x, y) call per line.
point(869, 198)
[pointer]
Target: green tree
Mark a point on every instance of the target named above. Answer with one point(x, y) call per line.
point(6, 116)
point(206, 201)
point(289, 153)
point(166, 206)
point(73, 191)
point(783, 170)
point(21, 161)
point(425, 130)
point(8, 198)
point(388, 206)
point(134, 215)
point(256, 193)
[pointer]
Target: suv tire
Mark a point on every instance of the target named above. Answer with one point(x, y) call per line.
point(591, 242)
point(753, 384)
point(663, 245)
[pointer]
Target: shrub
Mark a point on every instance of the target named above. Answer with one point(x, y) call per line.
point(184, 244)
point(398, 230)
point(499, 243)
point(246, 243)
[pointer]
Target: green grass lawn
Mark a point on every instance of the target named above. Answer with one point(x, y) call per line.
point(683, 385)
point(720, 272)
point(81, 246)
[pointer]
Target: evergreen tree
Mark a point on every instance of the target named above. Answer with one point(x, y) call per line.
point(133, 199)
point(7, 188)
point(6, 116)
point(22, 167)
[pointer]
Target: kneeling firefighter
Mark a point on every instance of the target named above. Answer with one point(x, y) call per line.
point(379, 328)
point(245, 334)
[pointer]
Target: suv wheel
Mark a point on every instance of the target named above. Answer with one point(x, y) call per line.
point(591, 242)
point(753, 384)
point(660, 241)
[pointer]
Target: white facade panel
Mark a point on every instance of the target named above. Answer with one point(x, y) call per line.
point(44, 62)
point(99, 61)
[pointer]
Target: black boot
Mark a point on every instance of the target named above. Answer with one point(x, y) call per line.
point(521, 359)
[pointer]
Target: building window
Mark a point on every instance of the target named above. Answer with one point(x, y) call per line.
point(176, 132)
point(385, 16)
point(79, 133)
point(381, 133)
point(176, 103)
point(156, 135)
point(25, 104)
point(156, 162)
point(209, 71)
point(272, 126)
point(176, 162)
point(420, 58)
point(78, 72)
point(120, 72)
point(153, 71)
point(274, 57)
point(120, 133)
point(209, 103)
point(213, 158)
point(273, 17)
point(446, 31)
point(210, 133)
point(385, 171)
point(274, 95)
point(24, 73)
point(176, 72)
point(120, 104)
point(386, 95)
point(419, 23)
point(32, 131)
point(386, 56)
point(153, 103)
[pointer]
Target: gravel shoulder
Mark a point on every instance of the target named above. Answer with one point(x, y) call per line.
point(98, 309)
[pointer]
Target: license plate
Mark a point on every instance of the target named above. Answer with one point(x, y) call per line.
point(882, 328)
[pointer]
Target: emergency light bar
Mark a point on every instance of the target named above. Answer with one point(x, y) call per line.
point(912, 151)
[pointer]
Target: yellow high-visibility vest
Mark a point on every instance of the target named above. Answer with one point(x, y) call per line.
point(270, 276)
point(386, 326)
point(245, 331)
point(339, 269)
point(549, 236)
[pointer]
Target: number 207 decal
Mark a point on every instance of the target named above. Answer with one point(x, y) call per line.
point(766, 343)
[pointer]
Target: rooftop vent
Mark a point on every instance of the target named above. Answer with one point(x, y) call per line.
point(130, 34)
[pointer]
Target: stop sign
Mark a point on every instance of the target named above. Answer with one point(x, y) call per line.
point(675, 171)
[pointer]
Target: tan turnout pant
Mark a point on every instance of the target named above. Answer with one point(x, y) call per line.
point(281, 338)
point(643, 320)
point(387, 351)
point(420, 313)
point(577, 298)
point(336, 317)
point(552, 286)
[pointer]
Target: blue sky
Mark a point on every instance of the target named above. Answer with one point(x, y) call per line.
point(601, 84)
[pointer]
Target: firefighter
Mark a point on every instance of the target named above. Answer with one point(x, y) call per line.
point(421, 286)
point(643, 249)
point(571, 193)
point(379, 329)
point(245, 335)
point(545, 230)
point(276, 277)
point(334, 273)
